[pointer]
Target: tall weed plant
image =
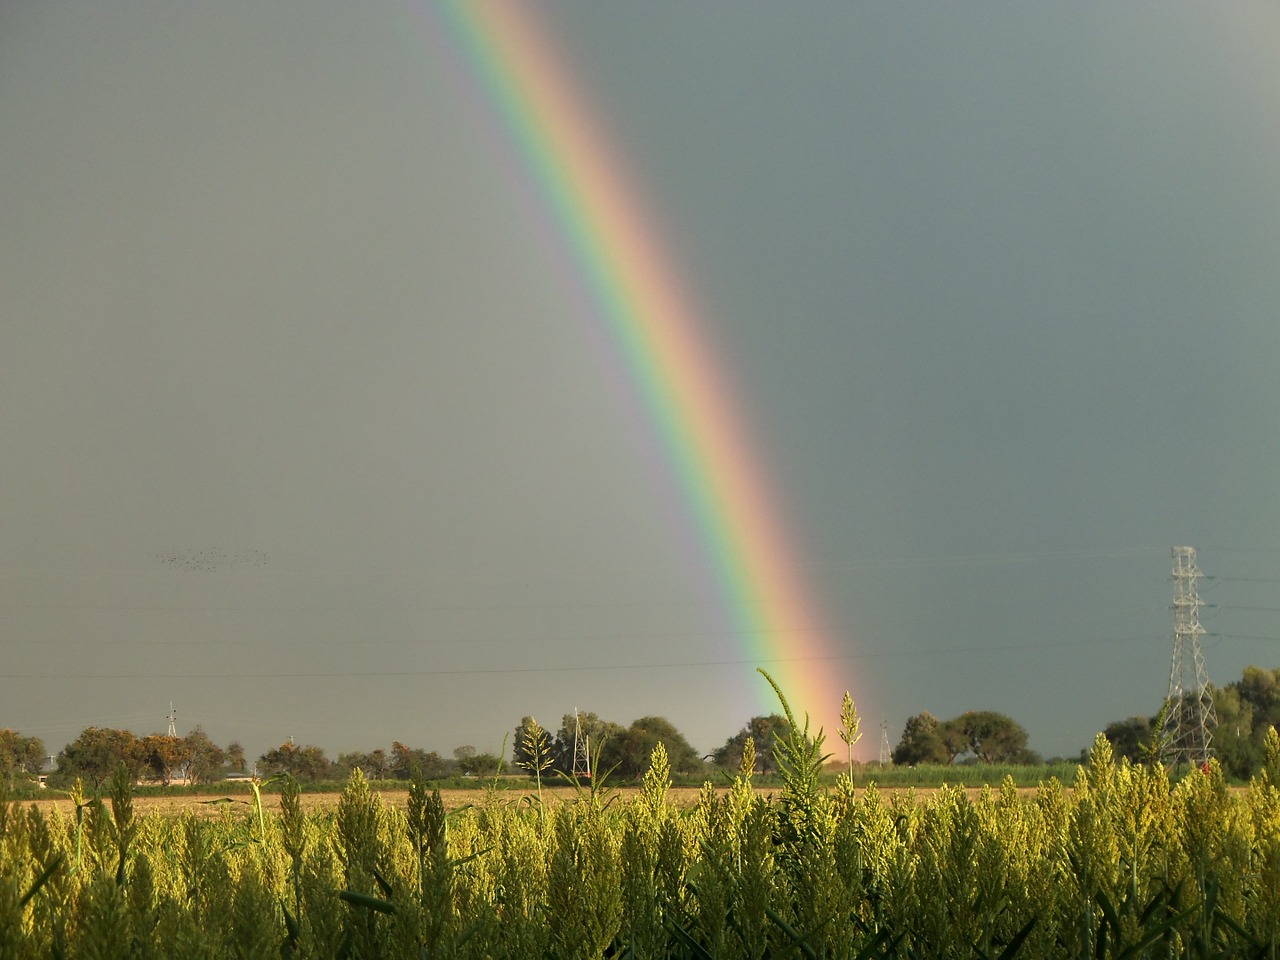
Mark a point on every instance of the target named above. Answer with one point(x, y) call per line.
point(1124, 864)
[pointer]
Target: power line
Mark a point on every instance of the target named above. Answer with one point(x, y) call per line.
point(580, 668)
point(1270, 550)
point(941, 560)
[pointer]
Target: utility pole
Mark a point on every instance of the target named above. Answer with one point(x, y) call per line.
point(1189, 715)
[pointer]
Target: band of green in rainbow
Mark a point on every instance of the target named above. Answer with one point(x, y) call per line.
point(657, 335)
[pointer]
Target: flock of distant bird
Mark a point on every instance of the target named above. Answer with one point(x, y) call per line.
point(211, 559)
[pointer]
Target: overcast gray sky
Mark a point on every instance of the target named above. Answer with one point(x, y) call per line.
point(302, 429)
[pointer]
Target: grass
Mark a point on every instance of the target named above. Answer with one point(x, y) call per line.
point(971, 775)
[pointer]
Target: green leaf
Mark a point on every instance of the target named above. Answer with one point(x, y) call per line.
point(1014, 945)
point(694, 948)
point(468, 858)
point(881, 939)
point(366, 901)
point(1155, 933)
point(800, 940)
point(382, 883)
point(41, 880)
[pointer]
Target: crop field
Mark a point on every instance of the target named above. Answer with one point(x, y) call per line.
point(215, 805)
point(1126, 864)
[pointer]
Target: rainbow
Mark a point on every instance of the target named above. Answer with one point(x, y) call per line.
point(653, 325)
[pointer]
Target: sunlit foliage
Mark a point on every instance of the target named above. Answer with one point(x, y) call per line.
point(1122, 863)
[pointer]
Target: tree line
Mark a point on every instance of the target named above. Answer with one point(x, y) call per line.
point(20, 755)
point(623, 751)
point(399, 763)
point(98, 751)
point(1246, 709)
point(981, 735)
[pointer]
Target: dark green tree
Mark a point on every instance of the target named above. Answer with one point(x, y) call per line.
point(20, 755)
point(921, 742)
point(643, 735)
point(1260, 688)
point(94, 755)
point(165, 756)
point(205, 759)
point(1246, 709)
point(302, 763)
point(404, 760)
point(954, 739)
point(1130, 738)
point(1236, 745)
point(992, 737)
point(375, 765)
point(763, 730)
point(479, 765)
point(604, 741)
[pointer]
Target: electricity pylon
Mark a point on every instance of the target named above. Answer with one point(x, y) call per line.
point(1189, 715)
point(885, 755)
point(173, 720)
point(581, 750)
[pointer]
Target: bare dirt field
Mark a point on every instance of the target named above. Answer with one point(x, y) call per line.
point(217, 804)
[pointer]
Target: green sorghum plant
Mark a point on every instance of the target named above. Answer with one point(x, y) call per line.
point(522, 862)
point(293, 837)
point(1219, 839)
point(123, 827)
point(471, 844)
point(1263, 801)
point(196, 857)
point(850, 734)
point(1126, 864)
point(254, 931)
point(103, 921)
point(322, 917)
point(537, 750)
point(140, 894)
point(711, 875)
point(428, 826)
point(15, 877)
point(362, 849)
point(644, 912)
point(584, 888)
point(754, 876)
point(1092, 849)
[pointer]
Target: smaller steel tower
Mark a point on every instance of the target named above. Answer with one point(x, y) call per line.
point(1189, 716)
point(581, 750)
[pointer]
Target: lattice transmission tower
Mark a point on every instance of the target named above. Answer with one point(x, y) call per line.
point(1189, 718)
point(581, 764)
point(885, 754)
